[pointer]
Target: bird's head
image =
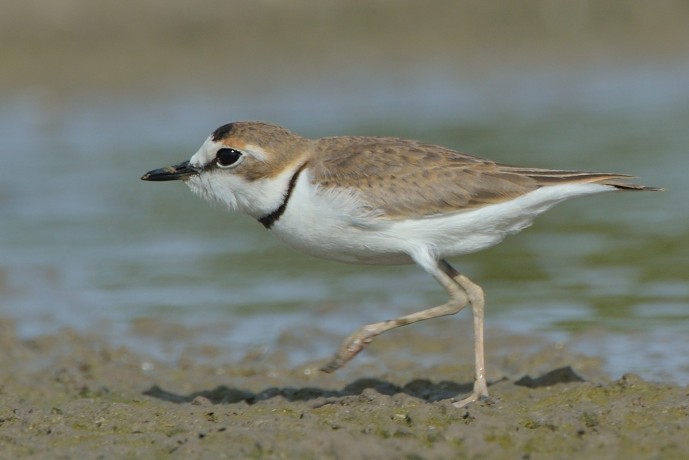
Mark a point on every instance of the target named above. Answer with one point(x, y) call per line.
point(244, 165)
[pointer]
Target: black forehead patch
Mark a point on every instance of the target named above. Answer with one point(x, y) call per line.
point(221, 132)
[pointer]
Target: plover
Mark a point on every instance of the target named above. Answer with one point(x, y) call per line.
point(380, 200)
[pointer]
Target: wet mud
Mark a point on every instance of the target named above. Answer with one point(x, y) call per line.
point(71, 395)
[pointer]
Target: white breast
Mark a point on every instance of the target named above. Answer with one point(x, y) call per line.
point(335, 225)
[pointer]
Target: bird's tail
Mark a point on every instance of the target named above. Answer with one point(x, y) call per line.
point(552, 177)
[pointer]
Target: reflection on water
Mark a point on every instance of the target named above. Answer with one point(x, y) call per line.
point(84, 240)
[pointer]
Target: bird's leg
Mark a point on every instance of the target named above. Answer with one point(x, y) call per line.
point(365, 335)
point(477, 301)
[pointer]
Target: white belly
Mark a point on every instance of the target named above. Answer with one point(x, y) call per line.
point(334, 226)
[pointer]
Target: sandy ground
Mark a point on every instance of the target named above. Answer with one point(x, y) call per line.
point(71, 395)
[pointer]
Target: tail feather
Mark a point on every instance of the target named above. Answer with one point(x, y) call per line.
point(635, 187)
point(551, 177)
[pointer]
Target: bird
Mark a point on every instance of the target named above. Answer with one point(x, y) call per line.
point(381, 201)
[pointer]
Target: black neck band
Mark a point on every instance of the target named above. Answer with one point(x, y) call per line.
point(268, 220)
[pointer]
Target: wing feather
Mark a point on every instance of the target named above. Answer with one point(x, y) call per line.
point(399, 178)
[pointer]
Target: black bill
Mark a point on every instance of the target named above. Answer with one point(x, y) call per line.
point(180, 171)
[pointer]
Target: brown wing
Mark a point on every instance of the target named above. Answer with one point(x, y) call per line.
point(404, 178)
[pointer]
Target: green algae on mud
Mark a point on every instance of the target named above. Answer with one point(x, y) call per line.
point(72, 395)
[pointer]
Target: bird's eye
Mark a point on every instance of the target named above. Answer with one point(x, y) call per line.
point(227, 157)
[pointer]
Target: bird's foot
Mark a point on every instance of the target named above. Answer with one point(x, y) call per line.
point(349, 349)
point(480, 393)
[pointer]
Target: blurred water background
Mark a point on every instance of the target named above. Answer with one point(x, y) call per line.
point(94, 94)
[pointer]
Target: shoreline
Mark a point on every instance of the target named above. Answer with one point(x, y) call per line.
point(71, 394)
